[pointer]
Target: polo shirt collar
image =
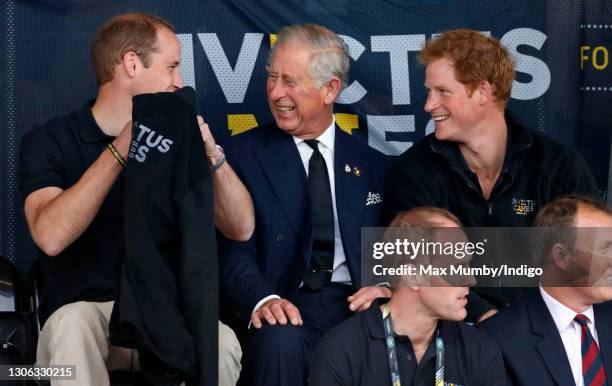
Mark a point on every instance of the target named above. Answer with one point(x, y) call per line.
point(449, 330)
point(519, 138)
point(89, 130)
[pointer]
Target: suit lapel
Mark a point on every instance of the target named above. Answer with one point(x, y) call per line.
point(603, 324)
point(550, 346)
point(351, 173)
point(282, 166)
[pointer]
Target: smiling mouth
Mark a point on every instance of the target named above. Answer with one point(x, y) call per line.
point(440, 118)
point(285, 109)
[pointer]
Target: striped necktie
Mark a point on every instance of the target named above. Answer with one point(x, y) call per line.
point(592, 366)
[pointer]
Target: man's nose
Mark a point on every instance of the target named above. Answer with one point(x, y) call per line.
point(177, 81)
point(431, 103)
point(276, 90)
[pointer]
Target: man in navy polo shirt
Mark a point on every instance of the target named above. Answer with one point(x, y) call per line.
point(417, 337)
point(70, 176)
point(481, 163)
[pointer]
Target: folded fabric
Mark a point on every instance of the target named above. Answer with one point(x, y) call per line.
point(168, 303)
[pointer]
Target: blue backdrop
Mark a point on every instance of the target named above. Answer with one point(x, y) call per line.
point(561, 48)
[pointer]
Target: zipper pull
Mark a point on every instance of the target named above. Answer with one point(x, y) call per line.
point(490, 208)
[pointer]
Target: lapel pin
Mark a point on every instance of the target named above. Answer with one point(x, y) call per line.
point(347, 168)
point(356, 171)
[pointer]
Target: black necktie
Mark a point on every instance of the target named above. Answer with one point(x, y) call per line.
point(322, 259)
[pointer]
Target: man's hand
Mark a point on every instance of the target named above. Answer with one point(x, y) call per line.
point(276, 310)
point(210, 146)
point(362, 299)
point(487, 315)
point(234, 214)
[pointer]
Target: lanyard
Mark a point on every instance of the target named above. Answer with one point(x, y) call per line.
point(394, 367)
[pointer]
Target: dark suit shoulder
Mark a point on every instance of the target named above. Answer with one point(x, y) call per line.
point(477, 343)
point(604, 310)
point(360, 145)
point(241, 149)
point(380, 159)
point(473, 334)
point(252, 137)
point(509, 323)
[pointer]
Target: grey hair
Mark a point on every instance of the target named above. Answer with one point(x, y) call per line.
point(330, 53)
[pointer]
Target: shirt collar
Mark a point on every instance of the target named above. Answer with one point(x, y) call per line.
point(562, 315)
point(89, 130)
point(326, 138)
point(449, 330)
point(519, 138)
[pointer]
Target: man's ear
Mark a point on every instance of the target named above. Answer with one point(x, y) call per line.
point(560, 256)
point(332, 89)
point(484, 92)
point(130, 63)
point(413, 281)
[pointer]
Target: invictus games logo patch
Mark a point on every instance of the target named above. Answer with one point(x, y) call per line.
point(145, 139)
point(522, 207)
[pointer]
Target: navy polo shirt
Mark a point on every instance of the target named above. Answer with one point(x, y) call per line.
point(57, 154)
point(354, 353)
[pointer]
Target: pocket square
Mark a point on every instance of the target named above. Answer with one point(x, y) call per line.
point(373, 199)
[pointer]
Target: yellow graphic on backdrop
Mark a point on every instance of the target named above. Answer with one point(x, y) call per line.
point(597, 57)
point(239, 123)
point(347, 122)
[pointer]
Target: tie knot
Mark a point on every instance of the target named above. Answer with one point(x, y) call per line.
point(313, 143)
point(581, 320)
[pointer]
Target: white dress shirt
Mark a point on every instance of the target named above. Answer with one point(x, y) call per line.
point(326, 140)
point(570, 331)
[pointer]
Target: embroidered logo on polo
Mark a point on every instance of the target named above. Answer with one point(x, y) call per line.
point(523, 207)
point(373, 199)
point(144, 139)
